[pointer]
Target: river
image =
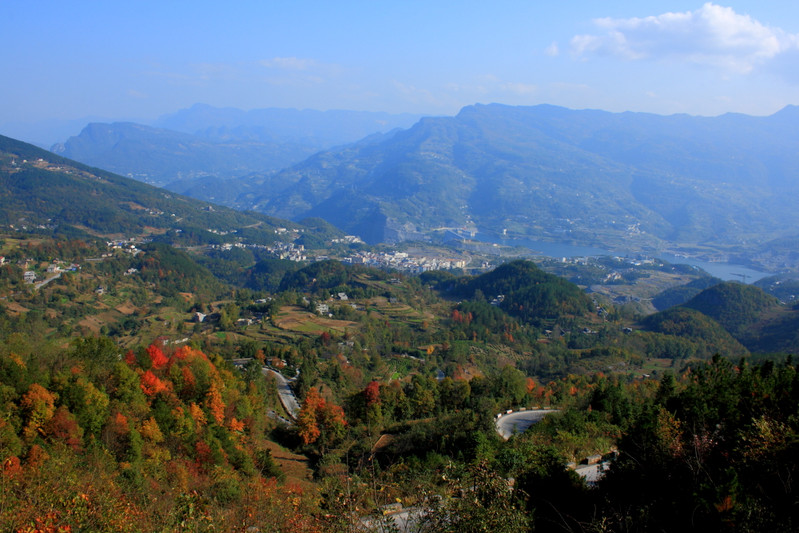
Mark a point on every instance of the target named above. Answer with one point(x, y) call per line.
point(724, 271)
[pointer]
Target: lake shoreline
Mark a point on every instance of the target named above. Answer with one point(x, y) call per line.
point(720, 269)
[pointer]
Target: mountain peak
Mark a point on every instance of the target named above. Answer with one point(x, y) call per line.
point(789, 111)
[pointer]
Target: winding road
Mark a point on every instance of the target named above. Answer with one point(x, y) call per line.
point(518, 421)
point(287, 398)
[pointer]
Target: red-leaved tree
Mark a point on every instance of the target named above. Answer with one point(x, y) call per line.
point(320, 422)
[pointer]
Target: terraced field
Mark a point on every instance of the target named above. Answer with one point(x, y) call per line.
point(295, 319)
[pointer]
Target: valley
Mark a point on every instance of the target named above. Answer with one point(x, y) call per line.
point(399, 267)
point(543, 173)
point(143, 332)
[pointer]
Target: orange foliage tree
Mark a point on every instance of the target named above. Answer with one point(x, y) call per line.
point(320, 422)
point(151, 385)
point(215, 405)
point(80, 451)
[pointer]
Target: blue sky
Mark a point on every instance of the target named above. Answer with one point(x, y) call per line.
point(138, 60)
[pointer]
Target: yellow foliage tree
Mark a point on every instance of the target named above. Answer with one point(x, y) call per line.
point(38, 406)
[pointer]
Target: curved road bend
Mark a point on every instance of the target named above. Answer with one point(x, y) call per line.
point(519, 421)
point(287, 398)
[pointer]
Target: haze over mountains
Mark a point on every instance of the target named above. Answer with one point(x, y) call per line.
point(588, 176)
point(205, 141)
point(629, 181)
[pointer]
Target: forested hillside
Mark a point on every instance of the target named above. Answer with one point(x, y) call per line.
point(91, 434)
point(144, 381)
point(527, 292)
point(117, 394)
point(628, 181)
point(50, 194)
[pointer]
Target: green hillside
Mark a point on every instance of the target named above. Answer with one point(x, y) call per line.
point(783, 286)
point(705, 334)
point(756, 319)
point(328, 275)
point(526, 291)
point(735, 306)
point(118, 382)
point(682, 293)
point(46, 193)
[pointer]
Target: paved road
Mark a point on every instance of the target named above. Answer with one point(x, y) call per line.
point(287, 397)
point(519, 421)
point(592, 473)
point(48, 280)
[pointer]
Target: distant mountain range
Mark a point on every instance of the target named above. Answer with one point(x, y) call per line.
point(625, 181)
point(720, 186)
point(204, 141)
point(160, 156)
point(307, 126)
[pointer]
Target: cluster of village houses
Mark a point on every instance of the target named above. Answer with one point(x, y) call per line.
point(403, 262)
point(128, 246)
point(395, 260)
point(54, 268)
point(400, 261)
point(281, 250)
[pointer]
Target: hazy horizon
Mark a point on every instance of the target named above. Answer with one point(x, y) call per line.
point(116, 61)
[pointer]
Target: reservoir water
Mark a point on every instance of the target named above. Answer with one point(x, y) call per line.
point(724, 271)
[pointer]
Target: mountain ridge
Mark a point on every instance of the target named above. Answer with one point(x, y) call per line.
point(205, 141)
point(718, 187)
point(591, 177)
point(45, 192)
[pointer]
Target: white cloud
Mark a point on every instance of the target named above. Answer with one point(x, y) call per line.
point(712, 35)
point(552, 50)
